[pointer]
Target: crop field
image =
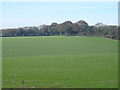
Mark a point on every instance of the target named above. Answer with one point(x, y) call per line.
point(59, 62)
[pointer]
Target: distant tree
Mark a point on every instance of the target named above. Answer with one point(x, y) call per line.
point(80, 28)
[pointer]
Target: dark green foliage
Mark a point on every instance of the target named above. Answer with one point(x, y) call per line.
point(80, 28)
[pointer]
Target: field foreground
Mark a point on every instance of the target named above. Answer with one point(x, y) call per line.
point(60, 62)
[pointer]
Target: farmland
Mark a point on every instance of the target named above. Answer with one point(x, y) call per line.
point(59, 62)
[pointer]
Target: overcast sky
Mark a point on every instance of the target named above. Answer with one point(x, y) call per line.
point(20, 14)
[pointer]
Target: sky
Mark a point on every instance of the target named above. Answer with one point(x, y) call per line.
point(20, 14)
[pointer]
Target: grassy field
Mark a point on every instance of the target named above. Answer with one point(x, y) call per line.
point(59, 62)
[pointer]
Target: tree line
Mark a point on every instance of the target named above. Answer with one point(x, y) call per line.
point(80, 28)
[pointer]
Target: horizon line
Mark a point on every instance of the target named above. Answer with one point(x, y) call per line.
point(50, 24)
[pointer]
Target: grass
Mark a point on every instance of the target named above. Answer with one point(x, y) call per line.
point(59, 62)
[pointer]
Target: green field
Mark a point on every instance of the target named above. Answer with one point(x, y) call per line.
point(60, 62)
